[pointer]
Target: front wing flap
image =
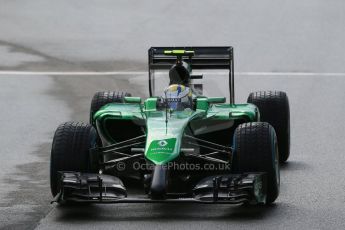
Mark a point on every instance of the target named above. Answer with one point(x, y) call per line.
point(240, 188)
point(76, 186)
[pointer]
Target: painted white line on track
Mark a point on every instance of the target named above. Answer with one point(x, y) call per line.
point(288, 74)
point(74, 73)
point(93, 73)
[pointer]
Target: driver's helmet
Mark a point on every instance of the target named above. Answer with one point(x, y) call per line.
point(178, 97)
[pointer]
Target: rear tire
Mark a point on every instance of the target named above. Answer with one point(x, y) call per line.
point(274, 109)
point(70, 150)
point(102, 98)
point(256, 150)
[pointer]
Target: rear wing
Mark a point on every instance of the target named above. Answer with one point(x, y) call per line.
point(216, 57)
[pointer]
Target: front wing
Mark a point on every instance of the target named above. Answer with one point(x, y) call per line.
point(106, 189)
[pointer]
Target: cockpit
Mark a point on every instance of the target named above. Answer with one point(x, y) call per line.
point(177, 97)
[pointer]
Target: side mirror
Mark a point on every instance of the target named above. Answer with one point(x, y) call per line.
point(216, 100)
point(151, 104)
point(132, 100)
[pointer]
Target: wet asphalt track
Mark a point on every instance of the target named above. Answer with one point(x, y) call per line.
point(270, 36)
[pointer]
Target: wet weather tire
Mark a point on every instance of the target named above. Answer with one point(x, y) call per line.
point(70, 150)
point(102, 98)
point(256, 150)
point(274, 109)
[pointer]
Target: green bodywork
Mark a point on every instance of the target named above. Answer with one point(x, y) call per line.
point(164, 139)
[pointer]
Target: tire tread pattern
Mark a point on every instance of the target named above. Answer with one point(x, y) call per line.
point(253, 153)
point(70, 150)
point(274, 109)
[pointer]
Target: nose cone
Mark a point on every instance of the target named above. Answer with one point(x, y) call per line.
point(161, 151)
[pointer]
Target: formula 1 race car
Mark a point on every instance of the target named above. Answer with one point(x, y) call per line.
point(180, 146)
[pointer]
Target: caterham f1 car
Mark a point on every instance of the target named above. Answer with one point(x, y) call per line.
point(180, 146)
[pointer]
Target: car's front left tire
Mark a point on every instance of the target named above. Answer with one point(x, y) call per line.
point(256, 150)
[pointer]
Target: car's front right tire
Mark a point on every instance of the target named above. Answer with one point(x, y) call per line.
point(70, 150)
